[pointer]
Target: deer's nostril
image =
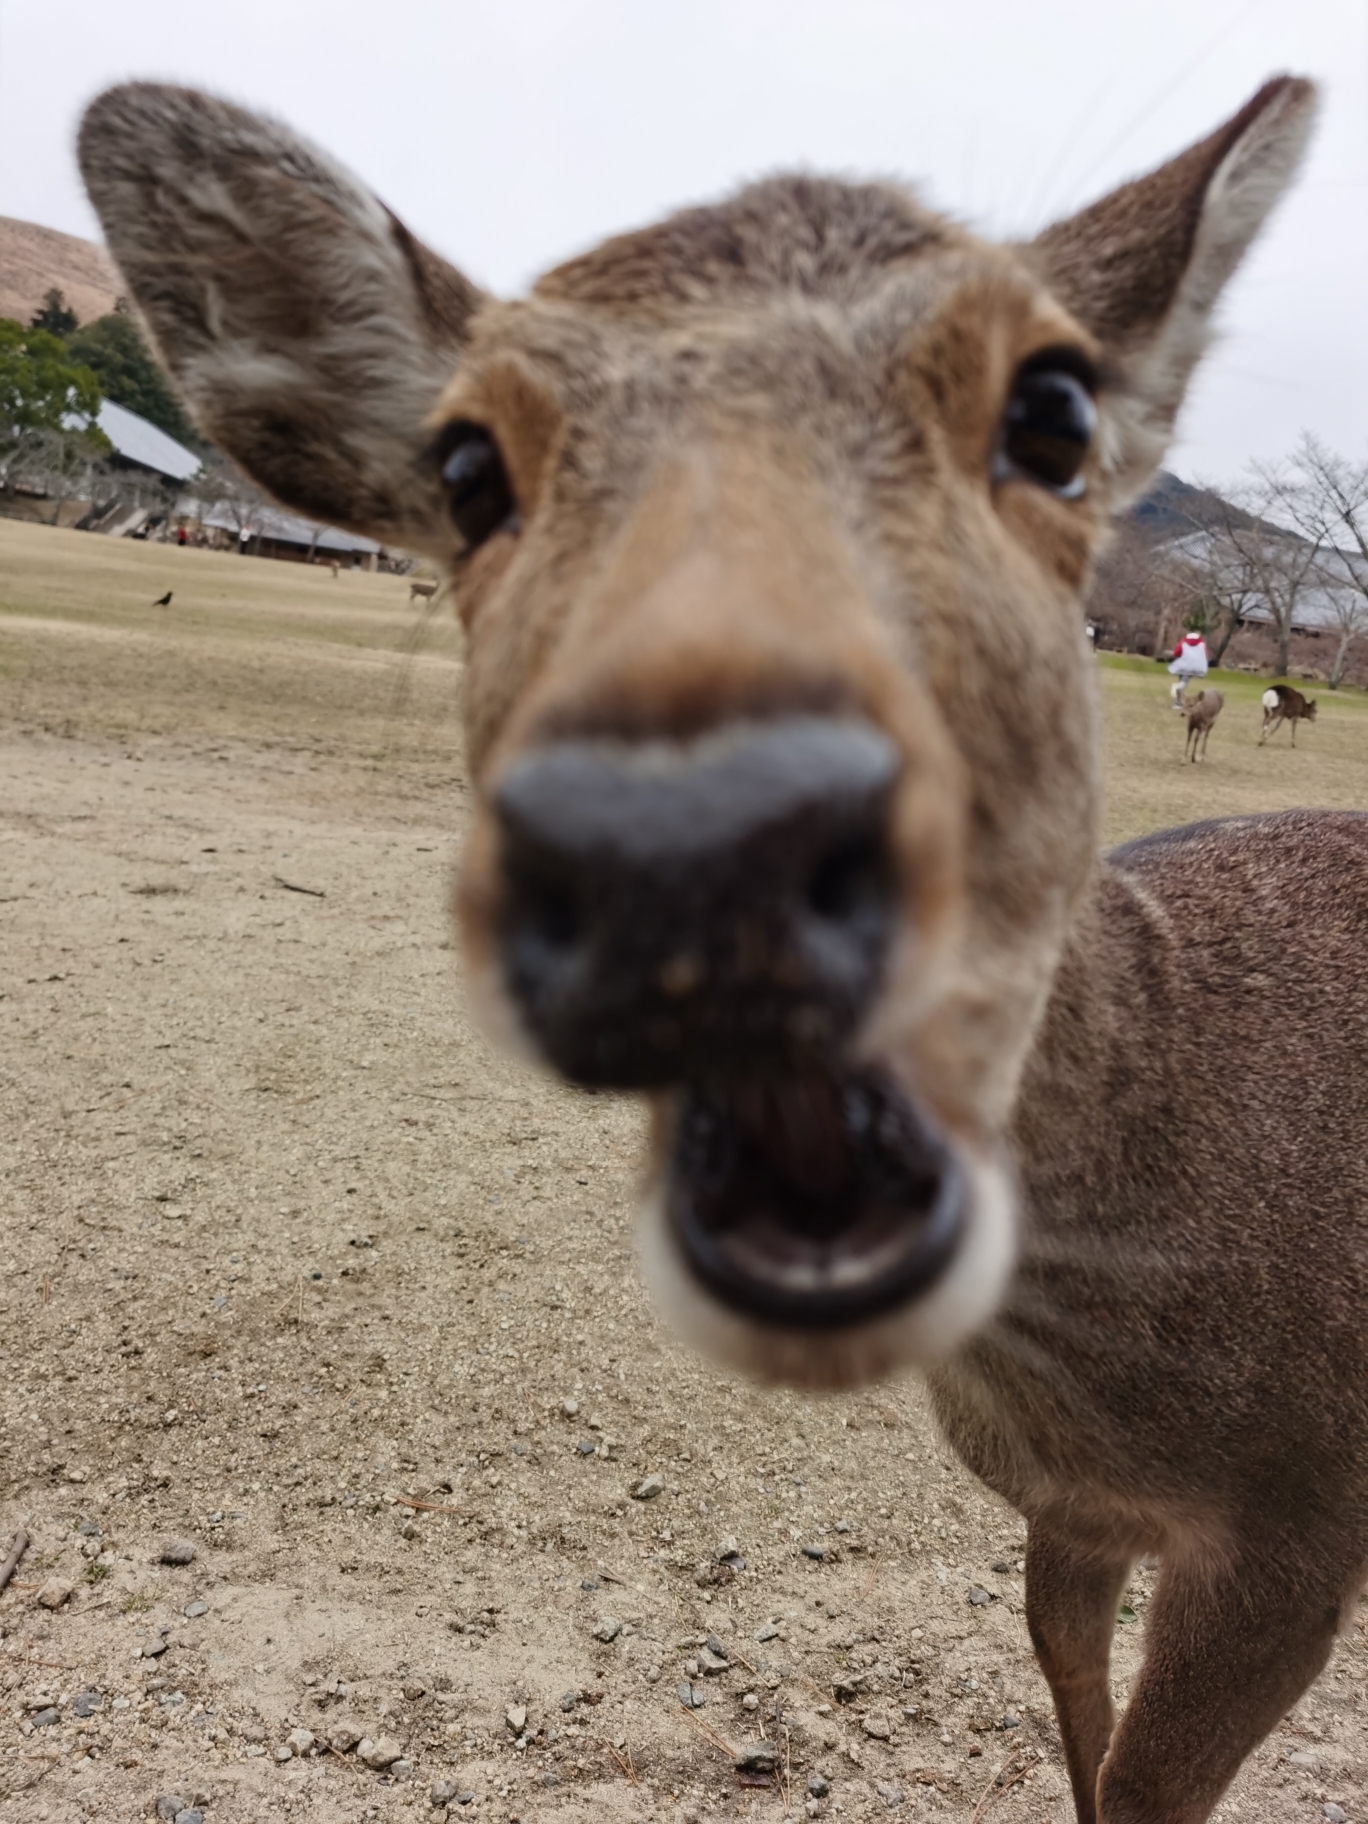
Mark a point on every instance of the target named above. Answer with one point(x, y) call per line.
point(850, 879)
point(548, 913)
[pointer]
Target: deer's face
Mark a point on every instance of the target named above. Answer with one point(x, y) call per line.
point(780, 713)
point(768, 527)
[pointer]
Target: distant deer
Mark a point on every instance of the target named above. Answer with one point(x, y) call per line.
point(1283, 704)
point(422, 591)
point(1200, 712)
point(768, 527)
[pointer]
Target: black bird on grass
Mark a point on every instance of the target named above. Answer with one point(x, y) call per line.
point(163, 601)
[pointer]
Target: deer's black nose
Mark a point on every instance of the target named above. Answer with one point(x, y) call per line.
point(679, 912)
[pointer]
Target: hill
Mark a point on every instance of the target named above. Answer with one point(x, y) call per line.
point(32, 259)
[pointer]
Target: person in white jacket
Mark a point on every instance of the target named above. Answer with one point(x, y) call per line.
point(1189, 661)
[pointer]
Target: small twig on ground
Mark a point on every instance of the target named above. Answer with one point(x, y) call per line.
point(45, 1295)
point(17, 1550)
point(624, 1761)
point(297, 1289)
point(786, 1777)
point(291, 887)
point(873, 1573)
point(712, 1736)
point(430, 1507)
point(997, 1785)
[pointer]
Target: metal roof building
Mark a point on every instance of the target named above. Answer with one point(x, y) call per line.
point(138, 441)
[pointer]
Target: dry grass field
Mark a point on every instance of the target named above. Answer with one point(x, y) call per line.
point(296, 1270)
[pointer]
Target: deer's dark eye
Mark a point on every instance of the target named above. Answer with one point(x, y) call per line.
point(479, 498)
point(1049, 423)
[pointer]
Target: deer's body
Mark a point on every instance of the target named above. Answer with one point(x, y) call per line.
point(1281, 703)
point(1200, 713)
point(422, 590)
point(769, 527)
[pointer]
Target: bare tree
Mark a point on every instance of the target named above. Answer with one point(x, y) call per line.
point(1268, 548)
point(1329, 507)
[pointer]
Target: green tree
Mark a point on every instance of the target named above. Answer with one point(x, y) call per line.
point(41, 387)
point(113, 348)
point(56, 316)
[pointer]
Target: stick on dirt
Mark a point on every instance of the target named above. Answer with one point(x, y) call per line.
point(17, 1550)
point(290, 887)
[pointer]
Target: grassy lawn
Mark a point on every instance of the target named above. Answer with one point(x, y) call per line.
point(282, 655)
point(1149, 785)
point(249, 648)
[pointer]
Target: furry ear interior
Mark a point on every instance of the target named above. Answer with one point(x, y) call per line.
point(310, 333)
point(1144, 267)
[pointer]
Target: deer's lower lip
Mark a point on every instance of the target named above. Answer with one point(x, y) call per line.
point(813, 1202)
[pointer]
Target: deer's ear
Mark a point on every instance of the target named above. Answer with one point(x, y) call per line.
point(1144, 267)
point(309, 332)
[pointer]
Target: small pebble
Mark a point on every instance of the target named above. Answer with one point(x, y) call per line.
point(890, 1794)
point(283, 1754)
point(569, 1408)
point(516, 1718)
point(170, 1805)
point(608, 1629)
point(154, 1646)
point(1334, 1814)
point(402, 1769)
point(178, 1551)
point(816, 1552)
point(193, 1610)
point(648, 1489)
point(1011, 1721)
point(770, 1631)
point(757, 1757)
point(86, 1704)
point(750, 1701)
point(44, 1719)
point(979, 1597)
point(300, 1741)
point(589, 1583)
point(442, 1792)
point(818, 1788)
point(1001, 1567)
point(55, 1592)
point(379, 1754)
point(191, 1815)
point(842, 1526)
point(343, 1737)
point(692, 1697)
point(586, 1447)
point(569, 1699)
point(878, 1725)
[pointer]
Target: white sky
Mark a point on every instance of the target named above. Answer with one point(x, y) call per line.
point(513, 133)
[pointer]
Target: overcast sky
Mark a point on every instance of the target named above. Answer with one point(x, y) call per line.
point(511, 135)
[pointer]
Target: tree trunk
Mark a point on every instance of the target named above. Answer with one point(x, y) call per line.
point(1226, 635)
point(1284, 647)
point(1341, 664)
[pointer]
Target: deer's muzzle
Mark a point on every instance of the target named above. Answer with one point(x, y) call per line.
point(694, 912)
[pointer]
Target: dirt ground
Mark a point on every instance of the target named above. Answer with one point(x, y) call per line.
point(297, 1270)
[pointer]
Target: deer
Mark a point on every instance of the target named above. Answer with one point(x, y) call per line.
point(1200, 713)
point(422, 590)
point(769, 526)
point(1283, 704)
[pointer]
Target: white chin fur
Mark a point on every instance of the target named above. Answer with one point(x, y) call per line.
point(919, 1335)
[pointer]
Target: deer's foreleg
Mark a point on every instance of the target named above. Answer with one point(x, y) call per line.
point(1229, 1650)
point(1072, 1590)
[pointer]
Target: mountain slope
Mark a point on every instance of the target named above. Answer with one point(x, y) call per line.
point(32, 259)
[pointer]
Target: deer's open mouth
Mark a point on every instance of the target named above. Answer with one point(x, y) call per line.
point(813, 1202)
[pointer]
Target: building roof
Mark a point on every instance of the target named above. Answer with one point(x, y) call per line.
point(138, 441)
point(286, 528)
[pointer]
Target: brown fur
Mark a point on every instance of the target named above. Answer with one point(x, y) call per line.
point(1200, 713)
point(752, 455)
point(1293, 707)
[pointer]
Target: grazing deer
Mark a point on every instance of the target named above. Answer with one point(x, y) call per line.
point(1200, 712)
point(1283, 704)
point(422, 591)
point(769, 526)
